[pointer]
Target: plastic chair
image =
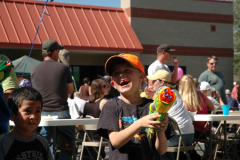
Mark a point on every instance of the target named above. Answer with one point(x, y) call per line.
point(232, 140)
point(181, 144)
point(87, 141)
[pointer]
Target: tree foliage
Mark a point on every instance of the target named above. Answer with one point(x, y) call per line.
point(236, 64)
point(236, 37)
point(236, 25)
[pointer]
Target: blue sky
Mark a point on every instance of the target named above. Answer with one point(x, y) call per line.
point(106, 3)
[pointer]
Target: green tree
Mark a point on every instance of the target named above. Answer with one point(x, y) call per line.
point(236, 64)
point(236, 25)
point(236, 37)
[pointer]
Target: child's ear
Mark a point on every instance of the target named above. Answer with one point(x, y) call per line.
point(112, 83)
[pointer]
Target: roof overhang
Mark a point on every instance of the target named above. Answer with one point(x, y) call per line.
point(77, 27)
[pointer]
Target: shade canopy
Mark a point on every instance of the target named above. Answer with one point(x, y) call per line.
point(20, 63)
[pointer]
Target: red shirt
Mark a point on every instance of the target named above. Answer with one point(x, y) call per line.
point(235, 93)
point(199, 125)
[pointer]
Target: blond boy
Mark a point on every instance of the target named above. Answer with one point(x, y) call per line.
point(127, 122)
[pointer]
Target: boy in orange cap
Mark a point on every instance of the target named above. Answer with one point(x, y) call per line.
point(126, 121)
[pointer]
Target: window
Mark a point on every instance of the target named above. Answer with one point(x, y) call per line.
point(213, 28)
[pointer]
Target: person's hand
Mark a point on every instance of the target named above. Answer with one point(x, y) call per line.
point(175, 61)
point(163, 124)
point(213, 94)
point(150, 91)
point(149, 121)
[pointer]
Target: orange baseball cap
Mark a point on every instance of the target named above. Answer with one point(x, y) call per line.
point(132, 59)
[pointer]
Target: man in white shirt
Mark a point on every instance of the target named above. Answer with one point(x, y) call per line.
point(164, 54)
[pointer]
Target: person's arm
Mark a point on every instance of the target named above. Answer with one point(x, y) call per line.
point(120, 138)
point(219, 98)
point(175, 70)
point(89, 90)
point(161, 143)
point(70, 89)
point(103, 101)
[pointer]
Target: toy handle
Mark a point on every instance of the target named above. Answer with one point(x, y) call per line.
point(160, 119)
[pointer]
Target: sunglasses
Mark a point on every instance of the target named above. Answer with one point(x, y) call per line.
point(214, 63)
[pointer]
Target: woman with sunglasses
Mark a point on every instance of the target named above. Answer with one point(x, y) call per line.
point(94, 106)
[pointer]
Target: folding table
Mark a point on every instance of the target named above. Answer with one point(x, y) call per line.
point(218, 117)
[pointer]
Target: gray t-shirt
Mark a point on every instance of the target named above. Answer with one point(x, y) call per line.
point(216, 80)
point(50, 78)
point(15, 148)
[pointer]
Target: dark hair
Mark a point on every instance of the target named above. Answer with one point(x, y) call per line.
point(212, 57)
point(96, 89)
point(86, 80)
point(47, 53)
point(16, 98)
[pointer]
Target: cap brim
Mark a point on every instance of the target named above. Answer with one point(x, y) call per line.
point(60, 47)
point(153, 77)
point(110, 62)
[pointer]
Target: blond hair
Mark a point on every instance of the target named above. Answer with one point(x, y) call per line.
point(189, 94)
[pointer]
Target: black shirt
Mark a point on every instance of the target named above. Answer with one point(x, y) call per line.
point(117, 115)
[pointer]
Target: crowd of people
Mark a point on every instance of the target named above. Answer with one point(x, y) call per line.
point(124, 119)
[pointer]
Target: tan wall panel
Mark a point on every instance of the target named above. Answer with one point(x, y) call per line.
point(182, 33)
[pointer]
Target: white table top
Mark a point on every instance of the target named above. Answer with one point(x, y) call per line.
point(215, 117)
point(65, 122)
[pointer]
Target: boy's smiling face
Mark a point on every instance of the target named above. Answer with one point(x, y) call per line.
point(27, 119)
point(126, 78)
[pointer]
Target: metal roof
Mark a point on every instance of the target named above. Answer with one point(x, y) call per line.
point(77, 27)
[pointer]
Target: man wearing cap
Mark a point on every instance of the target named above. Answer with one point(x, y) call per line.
point(110, 89)
point(214, 77)
point(53, 80)
point(235, 92)
point(178, 111)
point(164, 54)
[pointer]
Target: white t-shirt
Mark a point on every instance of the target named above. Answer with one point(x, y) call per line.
point(181, 115)
point(76, 107)
point(157, 66)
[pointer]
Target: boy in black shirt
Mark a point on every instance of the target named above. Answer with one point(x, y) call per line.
point(22, 142)
point(126, 122)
